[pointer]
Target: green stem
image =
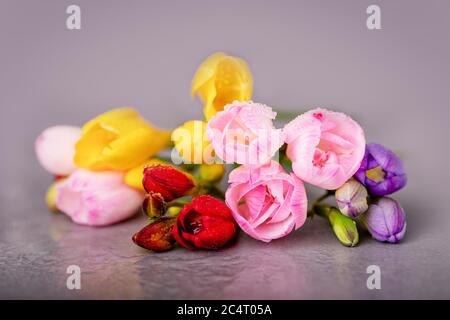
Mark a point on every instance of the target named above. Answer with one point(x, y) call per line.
point(321, 210)
point(316, 205)
point(178, 203)
point(217, 192)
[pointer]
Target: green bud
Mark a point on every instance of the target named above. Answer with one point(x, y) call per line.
point(344, 228)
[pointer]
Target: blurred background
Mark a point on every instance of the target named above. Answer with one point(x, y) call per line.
point(303, 54)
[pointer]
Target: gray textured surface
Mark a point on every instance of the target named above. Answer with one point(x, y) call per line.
point(303, 53)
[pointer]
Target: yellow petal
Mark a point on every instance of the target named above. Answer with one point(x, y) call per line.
point(205, 72)
point(233, 80)
point(134, 177)
point(111, 118)
point(50, 196)
point(212, 172)
point(118, 140)
point(192, 144)
point(220, 80)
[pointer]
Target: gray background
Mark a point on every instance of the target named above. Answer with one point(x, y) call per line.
point(394, 81)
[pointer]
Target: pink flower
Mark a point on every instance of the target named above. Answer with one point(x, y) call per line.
point(55, 148)
point(97, 198)
point(326, 148)
point(266, 202)
point(244, 133)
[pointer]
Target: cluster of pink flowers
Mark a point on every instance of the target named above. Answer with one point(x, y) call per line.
point(326, 149)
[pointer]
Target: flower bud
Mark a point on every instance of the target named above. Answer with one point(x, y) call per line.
point(206, 223)
point(55, 148)
point(344, 228)
point(51, 195)
point(154, 205)
point(212, 172)
point(170, 182)
point(192, 144)
point(351, 198)
point(134, 177)
point(381, 171)
point(385, 220)
point(172, 212)
point(157, 236)
point(221, 79)
point(97, 198)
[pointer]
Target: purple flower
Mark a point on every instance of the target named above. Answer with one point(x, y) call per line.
point(381, 171)
point(385, 220)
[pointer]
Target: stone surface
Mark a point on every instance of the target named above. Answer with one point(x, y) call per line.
point(303, 53)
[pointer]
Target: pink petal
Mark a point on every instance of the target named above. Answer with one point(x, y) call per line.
point(97, 198)
point(336, 138)
point(55, 149)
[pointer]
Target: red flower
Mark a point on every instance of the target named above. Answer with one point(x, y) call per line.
point(170, 182)
point(206, 223)
point(157, 236)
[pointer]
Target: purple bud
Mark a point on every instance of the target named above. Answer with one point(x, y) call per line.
point(381, 171)
point(385, 220)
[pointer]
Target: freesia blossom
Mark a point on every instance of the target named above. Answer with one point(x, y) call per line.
point(134, 177)
point(154, 205)
point(55, 148)
point(381, 171)
point(211, 172)
point(325, 147)
point(119, 139)
point(206, 223)
point(220, 80)
point(343, 227)
point(97, 198)
point(170, 182)
point(51, 194)
point(385, 220)
point(266, 202)
point(351, 198)
point(191, 143)
point(157, 236)
point(244, 133)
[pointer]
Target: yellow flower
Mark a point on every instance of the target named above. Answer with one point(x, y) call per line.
point(192, 144)
point(220, 80)
point(134, 177)
point(212, 172)
point(118, 140)
point(51, 194)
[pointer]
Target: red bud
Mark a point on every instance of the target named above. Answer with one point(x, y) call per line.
point(157, 236)
point(170, 182)
point(154, 205)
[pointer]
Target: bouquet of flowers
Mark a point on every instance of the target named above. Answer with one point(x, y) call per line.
point(117, 163)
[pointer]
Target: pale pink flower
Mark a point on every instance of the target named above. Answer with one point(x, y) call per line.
point(266, 202)
point(244, 133)
point(97, 198)
point(326, 148)
point(55, 148)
